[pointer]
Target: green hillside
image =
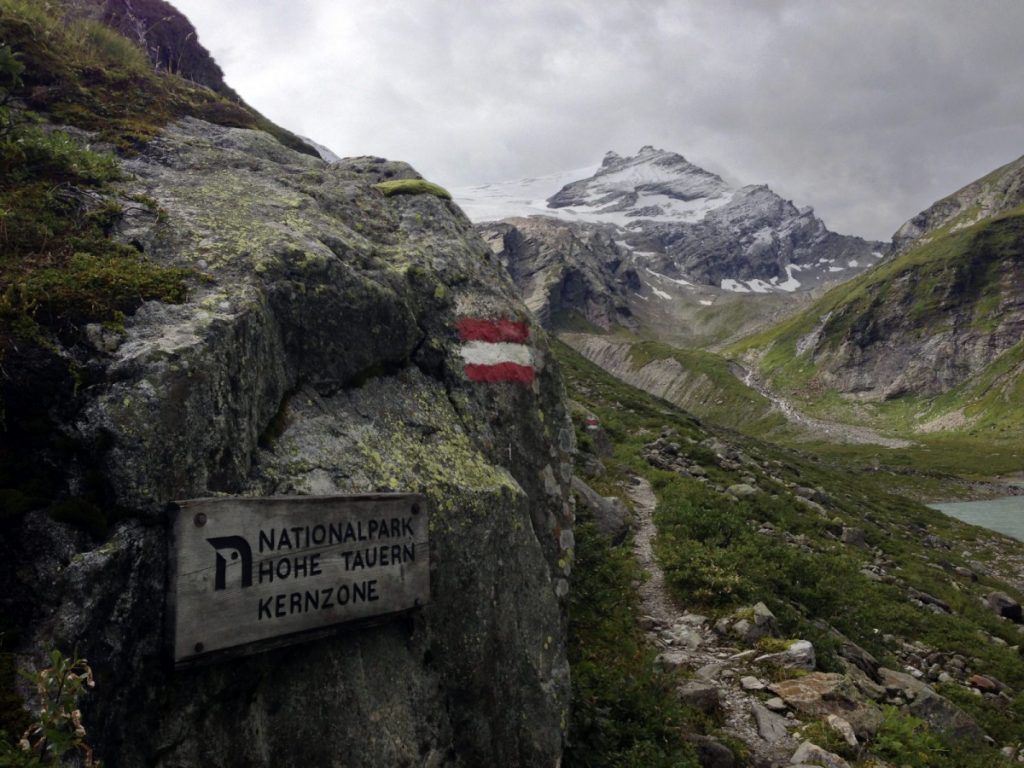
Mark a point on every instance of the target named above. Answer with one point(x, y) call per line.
point(957, 291)
point(718, 558)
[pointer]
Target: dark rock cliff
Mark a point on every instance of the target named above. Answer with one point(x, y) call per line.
point(561, 269)
point(318, 354)
point(167, 37)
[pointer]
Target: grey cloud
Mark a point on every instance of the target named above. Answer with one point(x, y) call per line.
point(867, 109)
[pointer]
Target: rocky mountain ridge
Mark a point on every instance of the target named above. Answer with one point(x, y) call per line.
point(945, 315)
point(686, 234)
point(997, 192)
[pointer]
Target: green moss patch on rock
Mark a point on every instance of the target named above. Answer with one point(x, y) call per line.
point(412, 187)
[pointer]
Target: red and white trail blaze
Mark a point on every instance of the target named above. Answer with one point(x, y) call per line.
point(496, 350)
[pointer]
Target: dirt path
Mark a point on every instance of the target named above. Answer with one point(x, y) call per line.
point(654, 599)
point(687, 640)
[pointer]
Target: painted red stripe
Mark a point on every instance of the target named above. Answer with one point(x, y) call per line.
point(523, 374)
point(472, 329)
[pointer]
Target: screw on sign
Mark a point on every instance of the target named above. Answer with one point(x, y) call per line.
point(496, 350)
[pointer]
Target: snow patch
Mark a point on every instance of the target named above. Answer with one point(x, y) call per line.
point(678, 281)
point(735, 286)
point(660, 294)
point(790, 284)
point(878, 254)
point(706, 302)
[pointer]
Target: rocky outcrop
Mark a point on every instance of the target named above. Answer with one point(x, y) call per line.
point(999, 191)
point(759, 236)
point(318, 353)
point(166, 35)
point(563, 270)
point(610, 515)
point(665, 378)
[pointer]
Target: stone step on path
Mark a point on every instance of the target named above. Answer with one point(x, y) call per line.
point(686, 640)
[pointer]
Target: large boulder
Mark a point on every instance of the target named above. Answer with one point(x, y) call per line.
point(938, 711)
point(319, 353)
point(821, 694)
point(799, 655)
point(609, 513)
point(1005, 606)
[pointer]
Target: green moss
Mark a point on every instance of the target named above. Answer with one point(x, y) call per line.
point(412, 187)
point(444, 465)
point(774, 644)
point(58, 265)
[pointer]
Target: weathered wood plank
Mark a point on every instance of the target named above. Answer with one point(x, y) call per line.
point(246, 570)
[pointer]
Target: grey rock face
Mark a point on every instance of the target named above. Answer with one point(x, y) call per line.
point(320, 354)
point(702, 696)
point(810, 753)
point(937, 710)
point(1004, 605)
point(799, 655)
point(770, 726)
point(561, 268)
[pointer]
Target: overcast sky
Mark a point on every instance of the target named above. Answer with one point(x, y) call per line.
point(869, 110)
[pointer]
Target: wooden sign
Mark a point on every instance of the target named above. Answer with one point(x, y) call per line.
point(251, 570)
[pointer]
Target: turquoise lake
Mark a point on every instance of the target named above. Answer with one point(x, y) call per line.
point(1005, 515)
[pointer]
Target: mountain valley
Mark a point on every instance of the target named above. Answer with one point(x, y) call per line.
point(673, 439)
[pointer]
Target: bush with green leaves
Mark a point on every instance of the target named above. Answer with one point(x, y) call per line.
point(907, 741)
point(57, 732)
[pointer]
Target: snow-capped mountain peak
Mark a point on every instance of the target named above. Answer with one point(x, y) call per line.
point(658, 215)
point(653, 185)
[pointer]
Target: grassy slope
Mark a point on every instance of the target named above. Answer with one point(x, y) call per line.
point(83, 74)
point(716, 561)
point(717, 394)
point(954, 262)
point(932, 468)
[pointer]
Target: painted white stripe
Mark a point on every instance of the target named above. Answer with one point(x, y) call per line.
point(487, 353)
